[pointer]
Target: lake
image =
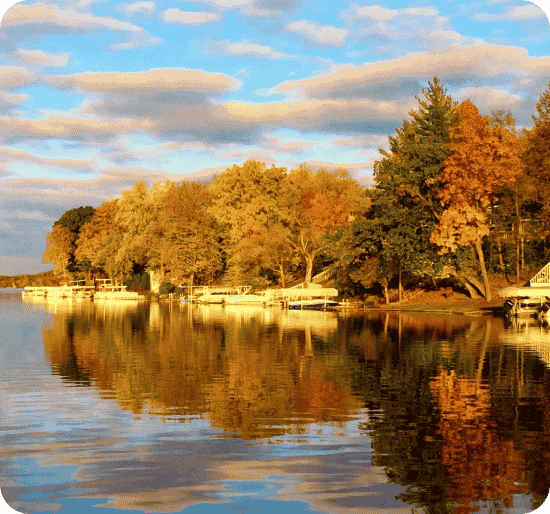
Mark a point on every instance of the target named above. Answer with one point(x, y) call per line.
point(168, 407)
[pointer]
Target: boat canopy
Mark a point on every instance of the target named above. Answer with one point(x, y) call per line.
point(297, 293)
point(524, 292)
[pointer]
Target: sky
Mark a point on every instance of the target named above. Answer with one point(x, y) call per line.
point(97, 94)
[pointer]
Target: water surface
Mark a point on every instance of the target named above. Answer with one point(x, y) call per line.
point(168, 407)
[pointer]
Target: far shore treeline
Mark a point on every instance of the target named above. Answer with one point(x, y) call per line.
point(457, 197)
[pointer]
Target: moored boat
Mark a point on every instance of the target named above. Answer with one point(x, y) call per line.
point(218, 295)
point(312, 304)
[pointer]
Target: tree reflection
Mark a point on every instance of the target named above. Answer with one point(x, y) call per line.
point(251, 379)
point(443, 393)
point(457, 415)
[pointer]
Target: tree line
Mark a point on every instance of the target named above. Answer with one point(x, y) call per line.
point(457, 196)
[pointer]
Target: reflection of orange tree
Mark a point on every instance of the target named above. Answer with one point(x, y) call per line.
point(170, 365)
point(165, 373)
point(265, 386)
point(480, 464)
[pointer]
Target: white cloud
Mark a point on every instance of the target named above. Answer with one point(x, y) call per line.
point(15, 77)
point(8, 155)
point(147, 82)
point(514, 13)
point(363, 142)
point(280, 145)
point(174, 15)
point(375, 12)
point(487, 99)
point(463, 65)
point(39, 13)
point(42, 58)
point(247, 49)
point(317, 34)
point(72, 21)
point(396, 31)
point(137, 7)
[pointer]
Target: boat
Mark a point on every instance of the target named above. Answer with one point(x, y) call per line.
point(247, 299)
point(524, 301)
point(218, 295)
point(523, 307)
point(312, 304)
point(543, 312)
point(109, 291)
point(115, 293)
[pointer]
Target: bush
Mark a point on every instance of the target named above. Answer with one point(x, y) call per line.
point(166, 288)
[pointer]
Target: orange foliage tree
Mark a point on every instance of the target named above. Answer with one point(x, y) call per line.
point(484, 158)
point(100, 238)
point(59, 248)
point(318, 204)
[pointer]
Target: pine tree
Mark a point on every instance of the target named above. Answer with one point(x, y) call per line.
point(406, 205)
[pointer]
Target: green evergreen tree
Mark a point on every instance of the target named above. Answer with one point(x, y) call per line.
point(406, 206)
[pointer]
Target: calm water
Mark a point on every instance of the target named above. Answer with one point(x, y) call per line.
point(165, 408)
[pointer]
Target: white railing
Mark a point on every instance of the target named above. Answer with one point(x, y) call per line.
point(542, 277)
point(317, 279)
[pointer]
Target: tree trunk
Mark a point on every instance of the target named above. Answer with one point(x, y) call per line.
point(500, 259)
point(400, 286)
point(282, 275)
point(517, 256)
point(472, 285)
point(386, 294)
point(518, 229)
point(471, 290)
point(309, 269)
point(483, 269)
point(522, 252)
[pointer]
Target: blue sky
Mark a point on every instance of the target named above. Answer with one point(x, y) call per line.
point(96, 95)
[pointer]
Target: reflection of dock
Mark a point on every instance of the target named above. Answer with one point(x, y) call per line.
point(239, 313)
point(531, 336)
point(318, 321)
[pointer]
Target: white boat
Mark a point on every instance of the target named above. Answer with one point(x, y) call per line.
point(108, 291)
point(312, 304)
point(220, 294)
point(115, 293)
point(523, 307)
point(247, 299)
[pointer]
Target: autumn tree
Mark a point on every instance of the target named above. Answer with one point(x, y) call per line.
point(536, 157)
point(99, 239)
point(59, 248)
point(188, 243)
point(514, 218)
point(317, 204)
point(74, 220)
point(138, 214)
point(484, 158)
point(247, 201)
